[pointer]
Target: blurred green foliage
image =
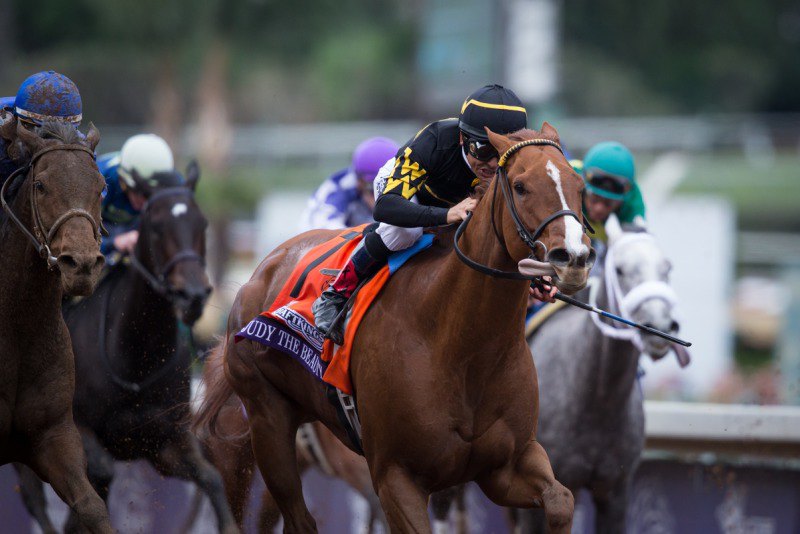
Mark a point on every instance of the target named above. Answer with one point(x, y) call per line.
point(685, 55)
point(355, 59)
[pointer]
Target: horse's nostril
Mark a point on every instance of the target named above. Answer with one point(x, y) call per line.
point(558, 256)
point(674, 326)
point(66, 260)
point(99, 261)
point(590, 259)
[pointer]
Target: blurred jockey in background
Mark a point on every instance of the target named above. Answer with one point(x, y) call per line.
point(143, 157)
point(610, 175)
point(346, 198)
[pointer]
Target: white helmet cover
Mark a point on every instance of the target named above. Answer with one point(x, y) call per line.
point(148, 154)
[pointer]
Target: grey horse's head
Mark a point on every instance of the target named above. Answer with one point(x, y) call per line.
point(637, 269)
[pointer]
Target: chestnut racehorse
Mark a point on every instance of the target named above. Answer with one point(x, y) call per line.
point(49, 236)
point(445, 384)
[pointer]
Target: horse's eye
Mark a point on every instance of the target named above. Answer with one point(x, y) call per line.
point(38, 185)
point(519, 188)
point(619, 271)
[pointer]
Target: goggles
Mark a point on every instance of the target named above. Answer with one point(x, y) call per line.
point(615, 185)
point(481, 150)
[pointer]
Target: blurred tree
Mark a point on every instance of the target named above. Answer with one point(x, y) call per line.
point(142, 51)
point(7, 43)
point(701, 55)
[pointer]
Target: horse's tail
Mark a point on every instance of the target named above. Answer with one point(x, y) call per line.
point(217, 393)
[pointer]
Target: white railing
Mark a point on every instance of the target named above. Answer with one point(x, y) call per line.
point(733, 431)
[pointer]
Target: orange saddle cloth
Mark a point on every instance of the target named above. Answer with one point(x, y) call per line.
point(288, 324)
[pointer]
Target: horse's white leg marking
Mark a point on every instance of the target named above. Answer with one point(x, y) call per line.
point(574, 231)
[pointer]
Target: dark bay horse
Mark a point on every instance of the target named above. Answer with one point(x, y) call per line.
point(233, 457)
point(446, 388)
point(49, 236)
point(132, 394)
point(592, 418)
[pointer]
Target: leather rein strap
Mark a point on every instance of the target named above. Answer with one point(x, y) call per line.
point(40, 238)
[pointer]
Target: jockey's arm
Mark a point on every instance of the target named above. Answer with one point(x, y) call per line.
point(395, 210)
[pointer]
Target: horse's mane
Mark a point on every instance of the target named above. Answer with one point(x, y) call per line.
point(520, 135)
point(525, 134)
point(49, 130)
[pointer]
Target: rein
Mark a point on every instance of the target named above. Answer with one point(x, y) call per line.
point(40, 237)
point(532, 241)
point(158, 282)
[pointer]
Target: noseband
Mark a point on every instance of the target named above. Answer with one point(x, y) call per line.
point(531, 240)
point(159, 281)
point(40, 238)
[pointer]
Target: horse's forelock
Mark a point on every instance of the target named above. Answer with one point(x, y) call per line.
point(60, 131)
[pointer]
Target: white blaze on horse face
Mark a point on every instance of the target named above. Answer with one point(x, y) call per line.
point(574, 231)
point(179, 209)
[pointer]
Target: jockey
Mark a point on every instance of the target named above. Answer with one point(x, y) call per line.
point(427, 183)
point(611, 187)
point(346, 198)
point(44, 96)
point(146, 155)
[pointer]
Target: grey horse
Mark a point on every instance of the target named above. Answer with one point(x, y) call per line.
point(591, 418)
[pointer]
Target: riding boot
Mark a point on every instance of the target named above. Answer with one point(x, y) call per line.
point(367, 259)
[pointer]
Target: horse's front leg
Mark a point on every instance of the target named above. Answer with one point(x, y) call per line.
point(531, 483)
point(58, 458)
point(183, 459)
point(31, 490)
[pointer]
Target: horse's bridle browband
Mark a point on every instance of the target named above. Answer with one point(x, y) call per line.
point(40, 238)
point(532, 241)
point(159, 282)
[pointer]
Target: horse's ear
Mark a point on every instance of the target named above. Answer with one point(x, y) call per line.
point(141, 184)
point(8, 130)
point(29, 139)
point(549, 132)
point(93, 137)
point(500, 142)
point(192, 174)
point(613, 229)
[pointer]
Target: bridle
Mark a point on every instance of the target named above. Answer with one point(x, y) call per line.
point(531, 240)
point(159, 281)
point(40, 237)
